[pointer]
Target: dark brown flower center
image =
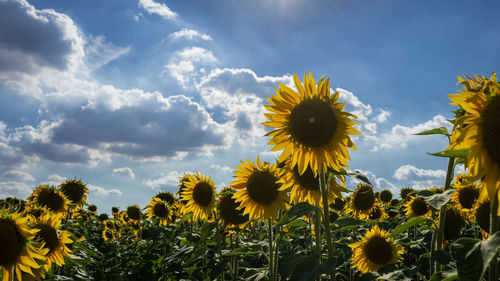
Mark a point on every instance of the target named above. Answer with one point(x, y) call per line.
point(93, 208)
point(313, 123)
point(467, 196)
point(166, 196)
point(453, 224)
point(338, 204)
point(262, 187)
point(74, 191)
point(51, 199)
point(48, 234)
point(307, 180)
point(134, 212)
point(108, 233)
point(419, 207)
point(385, 196)
point(491, 129)
point(203, 194)
point(115, 210)
point(160, 210)
point(375, 213)
point(378, 250)
point(483, 216)
point(364, 198)
point(229, 212)
point(11, 242)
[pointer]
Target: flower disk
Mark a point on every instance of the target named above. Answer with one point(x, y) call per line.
point(199, 195)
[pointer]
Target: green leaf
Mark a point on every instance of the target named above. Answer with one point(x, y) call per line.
point(305, 268)
point(185, 218)
point(473, 256)
point(451, 153)
point(295, 212)
point(445, 276)
point(242, 252)
point(436, 200)
point(441, 257)
point(206, 229)
point(360, 176)
point(436, 131)
point(411, 222)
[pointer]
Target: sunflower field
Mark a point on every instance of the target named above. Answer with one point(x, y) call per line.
point(294, 219)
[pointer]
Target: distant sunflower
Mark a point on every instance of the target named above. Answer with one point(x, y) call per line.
point(228, 209)
point(55, 239)
point(75, 190)
point(92, 210)
point(134, 212)
point(259, 189)
point(374, 251)
point(115, 211)
point(378, 213)
point(124, 217)
point(417, 207)
point(462, 179)
point(406, 192)
point(483, 216)
point(362, 202)
point(19, 253)
point(159, 210)
point(166, 196)
point(478, 130)
point(200, 196)
point(50, 197)
point(465, 198)
point(305, 187)
point(385, 196)
point(311, 127)
point(108, 235)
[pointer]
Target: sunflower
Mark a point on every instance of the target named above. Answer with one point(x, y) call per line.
point(465, 198)
point(134, 212)
point(259, 189)
point(166, 196)
point(228, 209)
point(55, 239)
point(479, 130)
point(453, 223)
point(124, 217)
point(115, 211)
point(378, 213)
point(374, 251)
point(483, 216)
point(103, 217)
point(50, 197)
point(19, 252)
point(159, 210)
point(338, 204)
point(405, 193)
point(199, 196)
point(385, 196)
point(305, 187)
point(417, 207)
point(76, 191)
point(92, 210)
point(108, 235)
point(312, 128)
point(362, 202)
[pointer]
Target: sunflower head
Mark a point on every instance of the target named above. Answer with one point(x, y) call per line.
point(385, 196)
point(199, 195)
point(159, 210)
point(483, 216)
point(75, 190)
point(229, 209)
point(166, 196)
point(102, 217)
point(311, 126)
point(50, 197)
point(55, 240)
point(377, 213)
point(92, 208)
point(374, 251)
point(338, 204)
point(417, 207)
point(134, 212)
point(454, 222)
point(362, 201)
point(108, 235)
point(115, 211)
point(465, 198)
point(405, 192)
point(182, 186)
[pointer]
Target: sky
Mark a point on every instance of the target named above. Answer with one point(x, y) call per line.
point(128, 95)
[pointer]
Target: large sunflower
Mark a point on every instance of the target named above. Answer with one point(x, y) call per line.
point(362, 202)
point(312, 128)
point(479, 130)
point(55, 239)
point(483, 216)
point(50, 197)
point(305, 187)
point(18, 251)
point(228, 209)
point(199, 195)
point(374, 251)
point(259, 189)
point(134, 212)
point(465, 198)
point(76, 191)
point(159, 210)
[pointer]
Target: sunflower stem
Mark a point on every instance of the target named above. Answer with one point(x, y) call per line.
point(442, 212)
point(317, 222)
point(493, 229)
point(326, 217)
point(219, 244)
point(271, 251)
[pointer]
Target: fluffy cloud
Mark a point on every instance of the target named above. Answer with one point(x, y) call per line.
point(166, 182)
point(160, 9)
point(190, 34)
point(125, 171)
point(378, 183)
point(221, 168)
point(98, 52)
point(101, 191)
point(187, 65)
point(18, 175)
point(14, 189)
point(407, 172)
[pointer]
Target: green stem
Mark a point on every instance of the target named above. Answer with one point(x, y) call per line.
point(493, 229)
point(218, 238)
point(317, 222)
point(236, 257)
point(326, 217)
point(271, 251)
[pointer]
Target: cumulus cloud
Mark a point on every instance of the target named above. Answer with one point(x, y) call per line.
point(221, 168)
point(187, 65)
point(16, 189)
point(125, 171)
point(98, 52)
point(190, 34)
point(166, 182)
point(410, 171)
point(382, 116)
point(18, 175)
point(160, 9)
point(378, 183)
point(366, 123)
point(101, 191)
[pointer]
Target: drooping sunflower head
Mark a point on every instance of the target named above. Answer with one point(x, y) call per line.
point(199, 195)
point(115, 211)
point(75, 190)
point(311, 126)
point(55, 239)
point(50, 197)
point(483, 216)
point(465, 198)
point(159, 210)
point(166, 196)
point(417, 207)
point(362, 201)
point(102, 217)
point(134, 212)
point(228, 209)
point(258, 186)
point(92, 209)
point(385, 196)
point(435, 189)
point(405, 192)
point(454, 222)
point(374, 251)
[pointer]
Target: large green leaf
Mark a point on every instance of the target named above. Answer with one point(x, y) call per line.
point(451, 153)
point(435, 131)
point(298, 210)
point(436, 200)
point(356, 174)
point(411, 222)
point(473, 256)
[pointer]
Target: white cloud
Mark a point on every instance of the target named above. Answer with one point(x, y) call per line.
point(190, 34)
point(161, 9)
point(125, 171)
point(16, 189)
point(98, 52)
point(378, 183)
point(363, 111)
point(221, 168)
point(18, 175)
point(169, 181)
point(407, 172)
point(382, 116)
point(101, 191)
point(186, 66)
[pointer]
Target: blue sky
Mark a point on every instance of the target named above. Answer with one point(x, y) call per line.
point(129, 95)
